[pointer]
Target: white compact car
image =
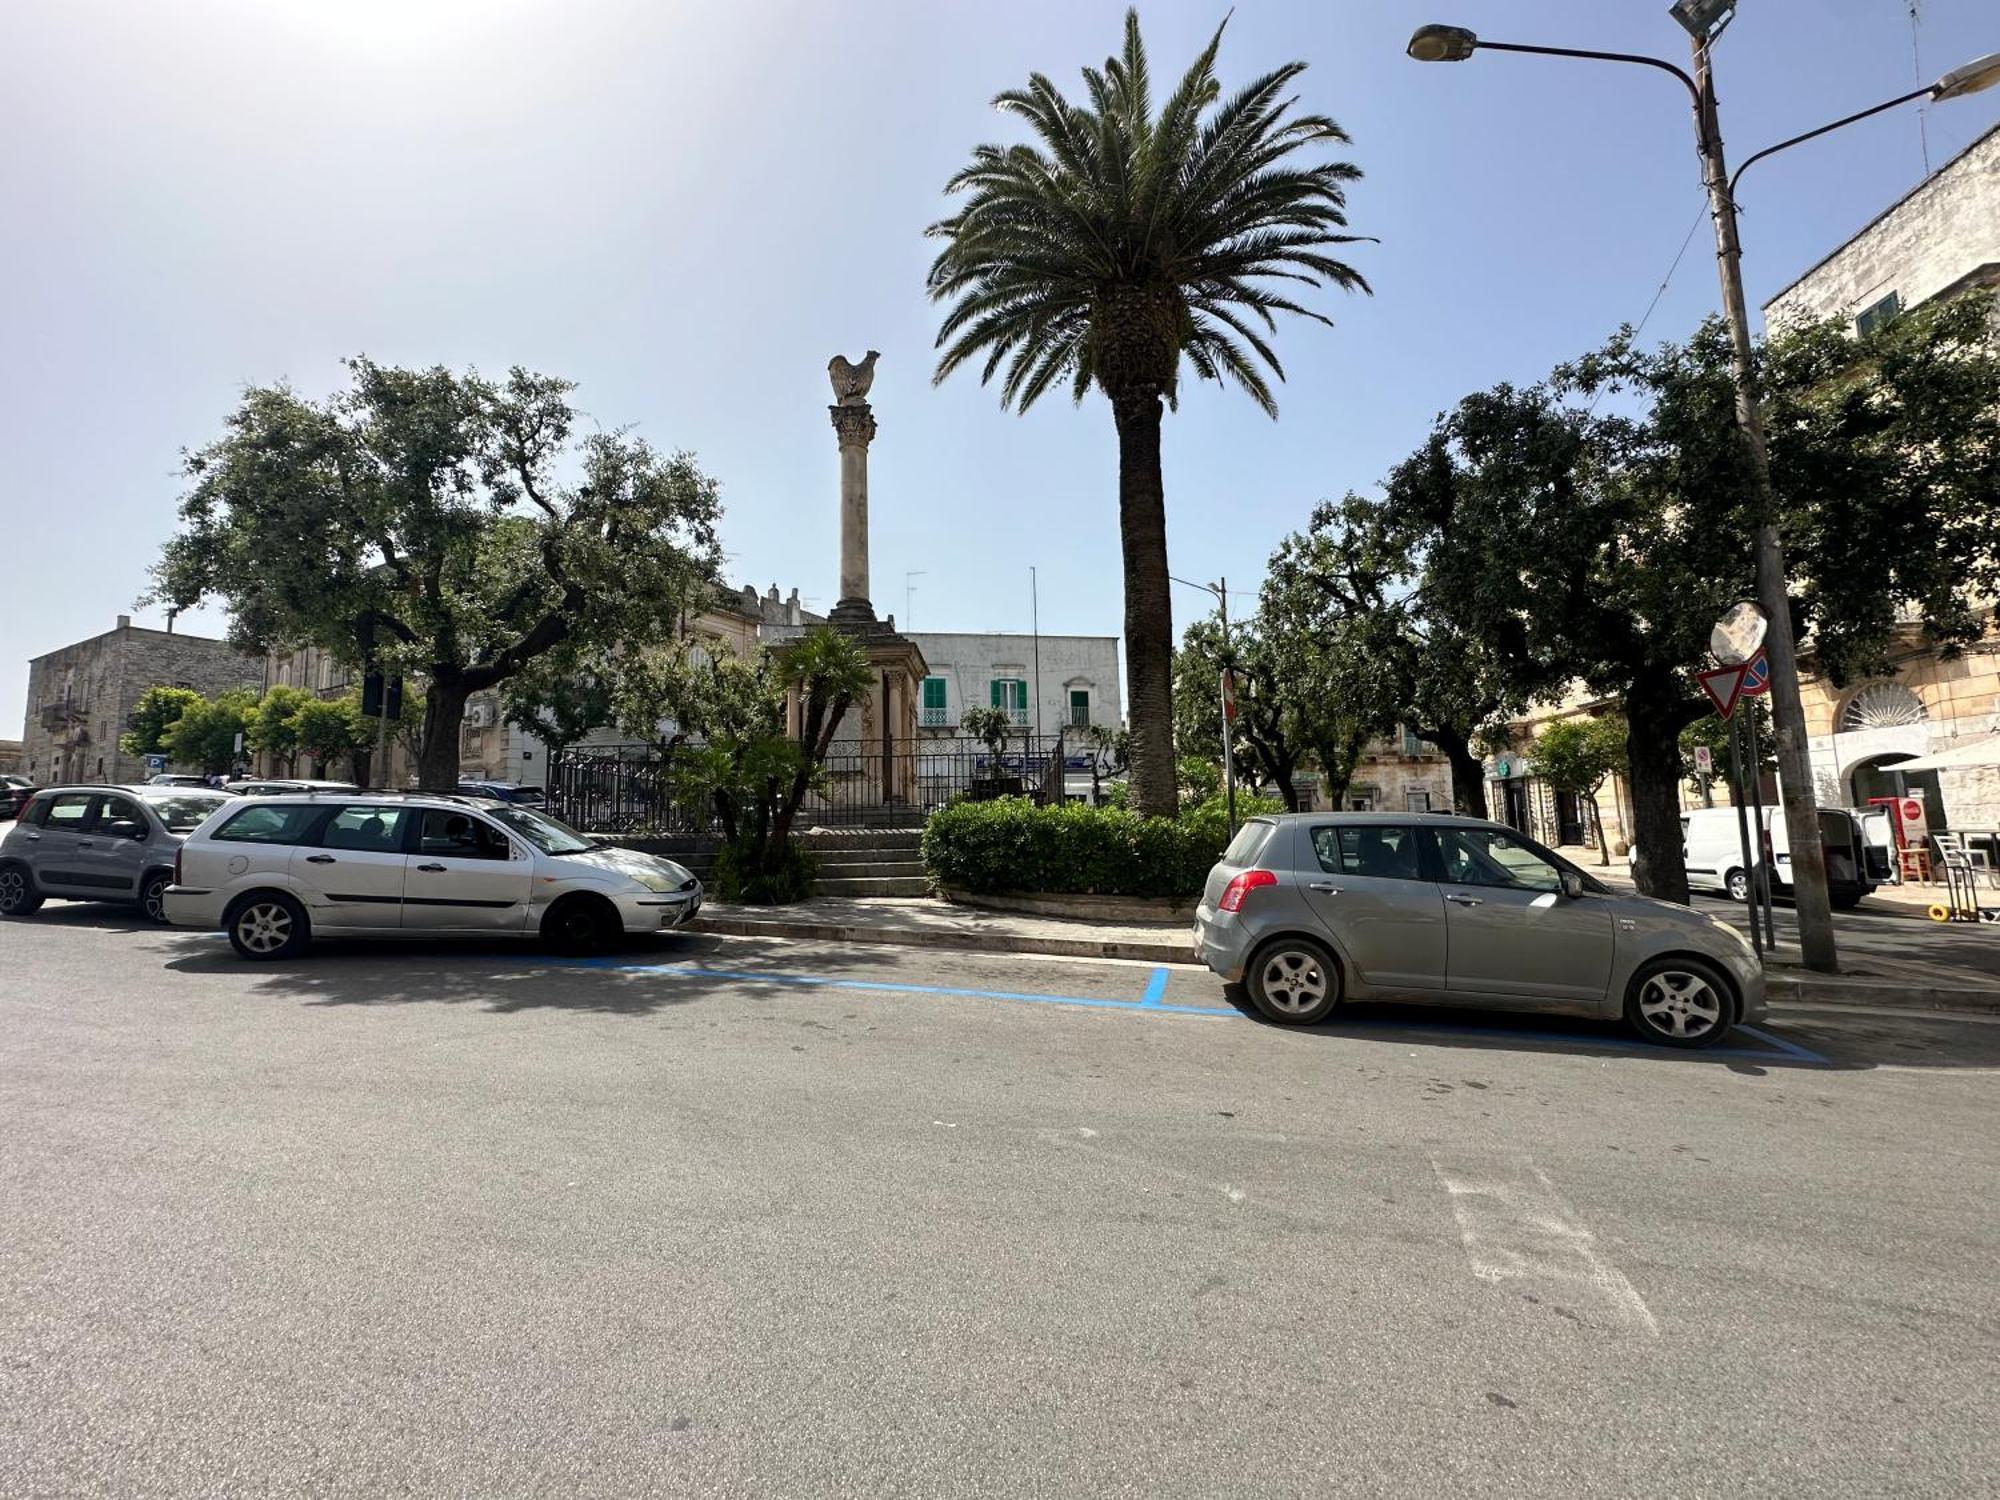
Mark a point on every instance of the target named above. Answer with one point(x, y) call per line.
point(275, 872)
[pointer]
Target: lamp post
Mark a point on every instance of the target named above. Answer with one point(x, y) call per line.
point(1704, 20)
point(1226, 690)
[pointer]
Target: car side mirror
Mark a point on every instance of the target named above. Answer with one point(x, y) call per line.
point(1572, 884)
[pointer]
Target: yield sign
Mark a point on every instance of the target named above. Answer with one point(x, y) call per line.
point(1756, 676)
point(1724, 685)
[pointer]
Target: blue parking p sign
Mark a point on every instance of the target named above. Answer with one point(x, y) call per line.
point(156, 763)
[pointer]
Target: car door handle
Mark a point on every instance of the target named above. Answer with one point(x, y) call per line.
point(85, 844)
point(1324, 887)
point(432, 869)
point(320, 859)
point(1459, 900)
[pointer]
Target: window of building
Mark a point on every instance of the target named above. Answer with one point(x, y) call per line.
point(1878, 315)
point(1011, 694)
point(936, 709)
point(1079, 708)
point(1882, 705)
point(1416, 802)
point(1413, 744)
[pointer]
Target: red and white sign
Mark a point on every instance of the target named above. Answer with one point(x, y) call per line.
point(1228, 696)
point(1704, 760)
point(1910, 813)
point(1724, 685)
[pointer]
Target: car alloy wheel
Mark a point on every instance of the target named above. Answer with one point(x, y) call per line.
point(13, 890)
point(1681, 1005)
point(153, 899)
point(1739, 886)
point(1294, 982)
point(264, 927)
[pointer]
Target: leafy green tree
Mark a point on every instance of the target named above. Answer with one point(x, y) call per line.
point(991, 727)
point(273, 725)
point(1265, 742)
point(1123, 242)
point(1579, 755)
point(205, 734)
point(440, 525)
point(152, 716)
point(756, 775)
point(561, 696)
point(328, 728)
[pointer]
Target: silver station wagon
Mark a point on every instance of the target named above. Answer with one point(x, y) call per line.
point(1305, 910)
point(274, 872)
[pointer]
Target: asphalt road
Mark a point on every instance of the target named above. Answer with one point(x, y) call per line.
point(727, 1217)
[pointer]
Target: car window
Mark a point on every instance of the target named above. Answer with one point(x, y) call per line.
point(1493, 857)
point(65, 812)
point(373, 830)
point(1376, 851)
point(271, 823)
point(184, 814)
point(539, 829)
point(461, 836)
point(1248, 843)
point(118, 816)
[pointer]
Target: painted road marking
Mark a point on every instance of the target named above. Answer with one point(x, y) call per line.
point(1152, 1002)
point(1516, 1228)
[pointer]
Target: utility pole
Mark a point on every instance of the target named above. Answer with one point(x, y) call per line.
point(1795, 783)
point(1228, 688)
point(1035, 623)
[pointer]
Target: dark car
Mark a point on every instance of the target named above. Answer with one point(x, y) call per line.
point(99, 843)
point(501, 791)
point(14, 794)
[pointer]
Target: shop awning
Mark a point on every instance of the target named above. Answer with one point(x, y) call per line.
point(1984, 752)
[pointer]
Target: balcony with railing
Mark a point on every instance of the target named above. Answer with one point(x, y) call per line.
point(934, 717)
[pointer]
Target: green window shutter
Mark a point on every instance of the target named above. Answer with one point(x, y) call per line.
point(933, 692)
point(999, 687)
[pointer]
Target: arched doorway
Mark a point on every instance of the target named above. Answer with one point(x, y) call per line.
point(1878, 777)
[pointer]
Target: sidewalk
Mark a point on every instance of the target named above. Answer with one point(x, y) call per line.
point(924, 922)
point(1888, 901)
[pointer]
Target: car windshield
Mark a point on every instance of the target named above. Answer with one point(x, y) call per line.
point(539, 829)
point(186, 813)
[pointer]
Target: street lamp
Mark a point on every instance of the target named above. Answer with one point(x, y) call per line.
point(1226, 691)
point(1704, 20)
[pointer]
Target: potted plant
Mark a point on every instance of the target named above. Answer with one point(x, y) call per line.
point(991, 726)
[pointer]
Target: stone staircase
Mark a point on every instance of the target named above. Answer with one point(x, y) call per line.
point(868, 862)
point(852, 861)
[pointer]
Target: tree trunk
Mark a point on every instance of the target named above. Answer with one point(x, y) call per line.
point(1597, 817)
point(1149, 625)
point(1652, 750)
point(1468, 773)
point(444, 711)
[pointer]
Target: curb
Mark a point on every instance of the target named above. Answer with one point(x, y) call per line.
point(1889, 994)
point(1163, 952)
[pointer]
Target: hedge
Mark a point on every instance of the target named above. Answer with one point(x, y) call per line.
point(1011, 846)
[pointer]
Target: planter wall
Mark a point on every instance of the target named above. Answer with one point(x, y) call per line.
point(1083, 908)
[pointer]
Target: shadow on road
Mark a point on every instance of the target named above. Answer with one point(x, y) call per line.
point(1841, 1039)
point(499, 976)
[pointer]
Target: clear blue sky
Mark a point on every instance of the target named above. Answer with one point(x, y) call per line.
point(688, 208)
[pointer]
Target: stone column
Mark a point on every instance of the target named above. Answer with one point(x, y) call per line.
point(854, 426)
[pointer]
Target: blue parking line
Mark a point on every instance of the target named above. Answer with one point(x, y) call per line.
point(1790, 1049)
point(876, 986)
point(1156, 989)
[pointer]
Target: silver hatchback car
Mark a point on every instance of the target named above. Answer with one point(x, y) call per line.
point(99, 843)
point(1306, 910)
point(274, 872)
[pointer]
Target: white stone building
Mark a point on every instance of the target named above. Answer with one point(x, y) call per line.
point(1045, 683)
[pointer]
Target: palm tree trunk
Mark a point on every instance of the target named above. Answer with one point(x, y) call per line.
point(1149, 618)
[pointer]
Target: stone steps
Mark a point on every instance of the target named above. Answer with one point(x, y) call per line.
point(871, 885)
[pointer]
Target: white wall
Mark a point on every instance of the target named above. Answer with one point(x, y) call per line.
point(969, 661)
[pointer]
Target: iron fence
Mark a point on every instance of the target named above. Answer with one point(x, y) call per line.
point(631, 789)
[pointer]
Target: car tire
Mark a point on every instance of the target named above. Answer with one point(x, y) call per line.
point(1844, 902)
point(18, 896)
point(1737, 884)
point(153, 895)
point(1293, 981)
point(268, 925)
point(1680, 1002)
point(579, 925)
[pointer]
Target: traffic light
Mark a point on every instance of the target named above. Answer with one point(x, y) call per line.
point(371, 696)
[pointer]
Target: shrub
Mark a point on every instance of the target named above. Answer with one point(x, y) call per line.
point(737, 877)
point(1013, 846)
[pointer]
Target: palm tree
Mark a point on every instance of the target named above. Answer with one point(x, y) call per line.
point(1120, 244)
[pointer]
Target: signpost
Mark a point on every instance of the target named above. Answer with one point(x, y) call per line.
point(1229, 734)
point(1738, 643)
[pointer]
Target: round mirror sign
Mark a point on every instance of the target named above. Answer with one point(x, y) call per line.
point(1739, 633)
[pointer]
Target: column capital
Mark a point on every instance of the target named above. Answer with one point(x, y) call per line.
point(853, 426)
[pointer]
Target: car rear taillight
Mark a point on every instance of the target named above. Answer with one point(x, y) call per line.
point(1243, 885)
point(177, 866)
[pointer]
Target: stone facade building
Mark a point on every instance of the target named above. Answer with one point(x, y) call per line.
point(81, 696)
point(1049, 682)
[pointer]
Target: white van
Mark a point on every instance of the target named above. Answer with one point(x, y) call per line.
point(1714, 853)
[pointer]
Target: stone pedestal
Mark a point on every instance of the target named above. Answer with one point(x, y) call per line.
point(854, 427)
